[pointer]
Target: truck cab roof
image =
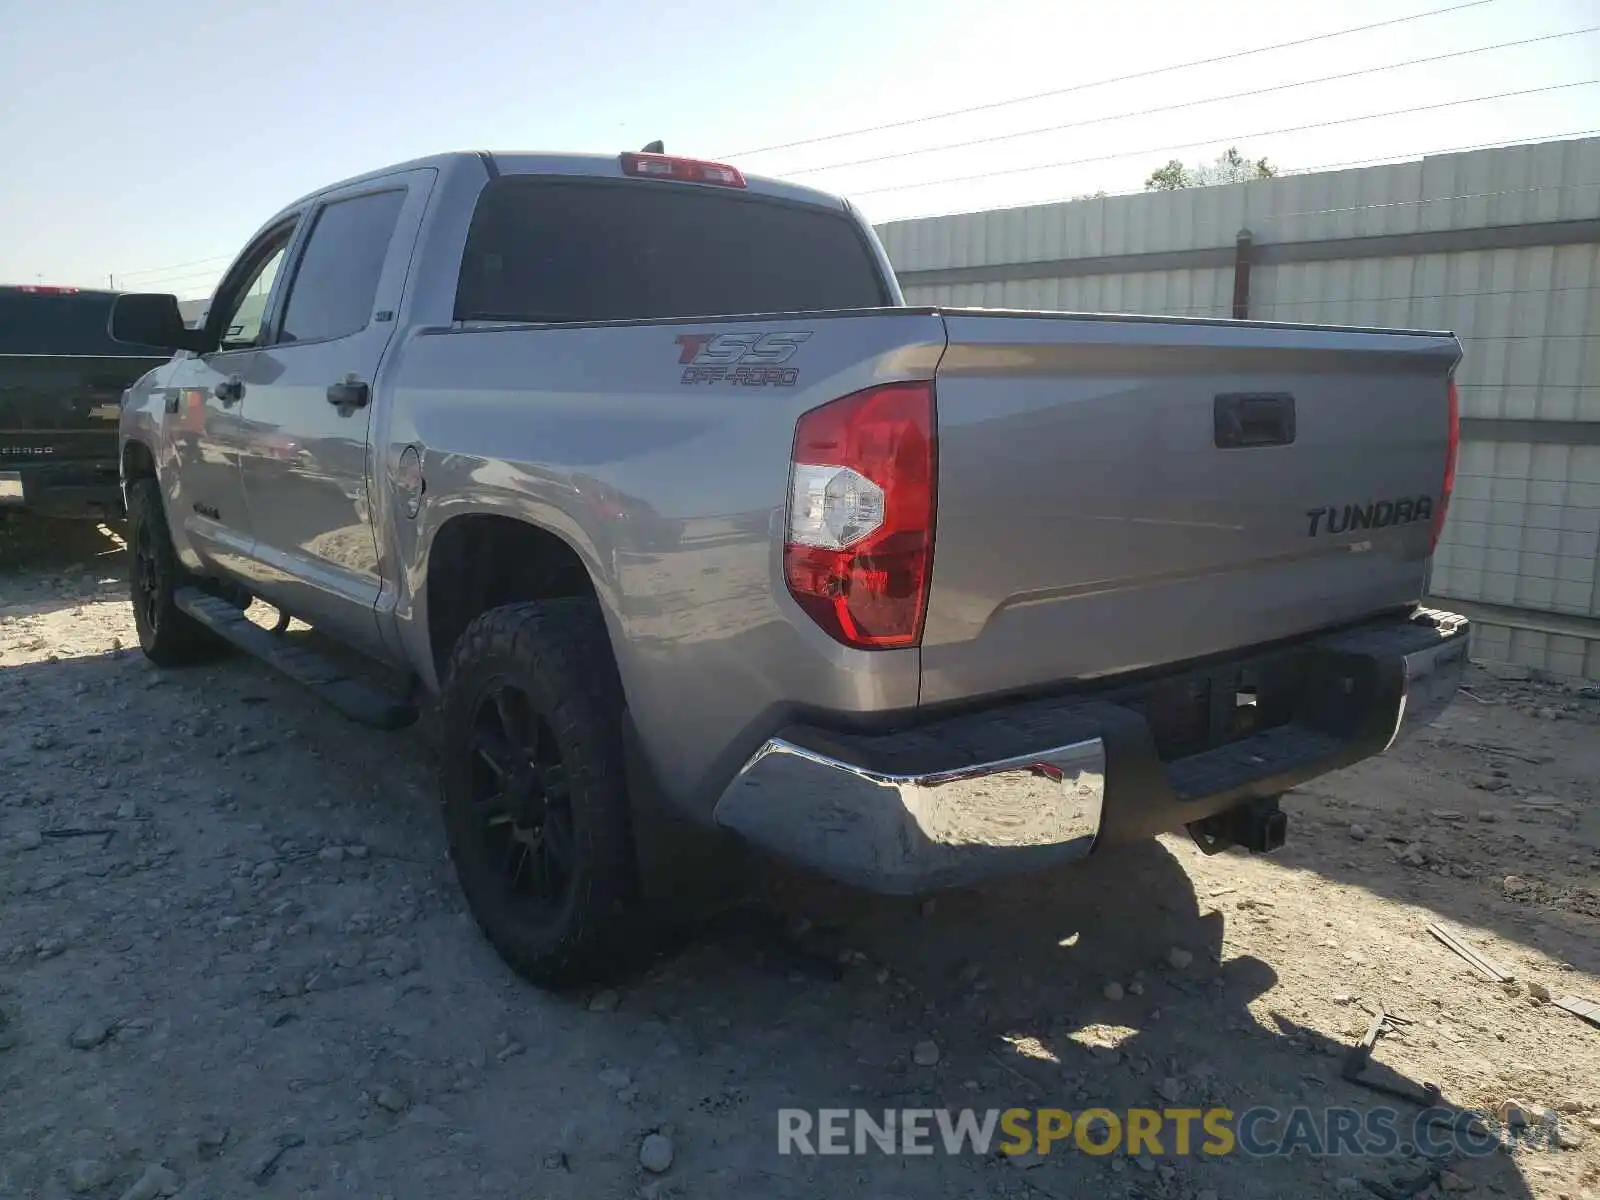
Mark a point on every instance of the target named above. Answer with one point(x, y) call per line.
point(539, 162)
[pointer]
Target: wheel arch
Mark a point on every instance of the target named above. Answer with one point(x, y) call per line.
point(138, 461)
point(479, 560)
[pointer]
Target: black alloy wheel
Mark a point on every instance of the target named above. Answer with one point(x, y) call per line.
point(520, 793)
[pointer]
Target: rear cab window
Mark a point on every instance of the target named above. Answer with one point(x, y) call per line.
point(542, 248)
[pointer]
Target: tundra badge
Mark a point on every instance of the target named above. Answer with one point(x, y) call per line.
point(1379, 514)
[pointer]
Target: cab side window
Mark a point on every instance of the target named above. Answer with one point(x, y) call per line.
point(336, 282)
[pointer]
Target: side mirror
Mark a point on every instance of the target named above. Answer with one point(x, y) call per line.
point(153, 320)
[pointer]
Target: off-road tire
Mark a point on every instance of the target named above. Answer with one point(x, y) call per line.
point(168, 636)
point(557, 653)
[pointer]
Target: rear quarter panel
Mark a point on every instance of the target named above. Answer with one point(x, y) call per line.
point(674, 495)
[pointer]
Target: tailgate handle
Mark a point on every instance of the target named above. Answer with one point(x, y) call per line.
point(1246, 419)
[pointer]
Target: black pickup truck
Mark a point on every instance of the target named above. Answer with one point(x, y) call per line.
point(61, 385)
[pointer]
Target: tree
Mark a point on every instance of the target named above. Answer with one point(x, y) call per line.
point(1229, 167)
point(1168, 178)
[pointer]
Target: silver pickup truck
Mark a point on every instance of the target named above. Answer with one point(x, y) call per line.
point(642, 470)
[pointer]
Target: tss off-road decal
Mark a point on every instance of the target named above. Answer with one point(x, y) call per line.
point(744, 359)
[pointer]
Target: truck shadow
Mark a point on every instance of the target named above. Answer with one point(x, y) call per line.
point(47, 565)
point(1109, 985)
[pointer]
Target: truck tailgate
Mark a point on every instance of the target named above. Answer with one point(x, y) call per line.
point(1116, 493)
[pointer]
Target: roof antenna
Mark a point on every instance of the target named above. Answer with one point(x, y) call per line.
point(654, 148)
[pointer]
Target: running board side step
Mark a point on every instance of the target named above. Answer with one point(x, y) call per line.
point(362, 702)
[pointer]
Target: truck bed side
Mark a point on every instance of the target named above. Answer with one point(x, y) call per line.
point(673, 494)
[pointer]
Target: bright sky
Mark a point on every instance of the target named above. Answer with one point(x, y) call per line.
point(137, 137)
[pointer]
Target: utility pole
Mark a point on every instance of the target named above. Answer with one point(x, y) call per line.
point(111, 282)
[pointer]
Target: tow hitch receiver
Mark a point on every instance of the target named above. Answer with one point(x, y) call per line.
point(1260, 826)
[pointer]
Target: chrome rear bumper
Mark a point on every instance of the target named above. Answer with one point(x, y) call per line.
point(908, 832)
point(1432, 678)
point(1040, 783)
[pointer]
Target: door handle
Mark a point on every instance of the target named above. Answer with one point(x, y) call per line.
point(229, 391)
point(349, 395)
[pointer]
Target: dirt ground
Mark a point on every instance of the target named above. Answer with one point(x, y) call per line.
point(234, 962)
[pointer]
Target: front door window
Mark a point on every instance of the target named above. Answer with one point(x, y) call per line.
point(241, 327)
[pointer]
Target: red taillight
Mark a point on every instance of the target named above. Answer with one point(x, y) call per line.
point(858, 557)
point(46, 289)
point(684, 170)
point(1453, 447)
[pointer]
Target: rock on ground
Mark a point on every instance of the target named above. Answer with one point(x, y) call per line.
point(88, 1175)
point(655, 1153)
point(154, 1182)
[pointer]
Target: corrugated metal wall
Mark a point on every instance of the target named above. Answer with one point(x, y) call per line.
point(1502, 246)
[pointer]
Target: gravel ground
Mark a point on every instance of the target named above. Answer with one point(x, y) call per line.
point(234, 962)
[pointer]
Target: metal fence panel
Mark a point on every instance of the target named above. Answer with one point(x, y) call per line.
point(1501, 246)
